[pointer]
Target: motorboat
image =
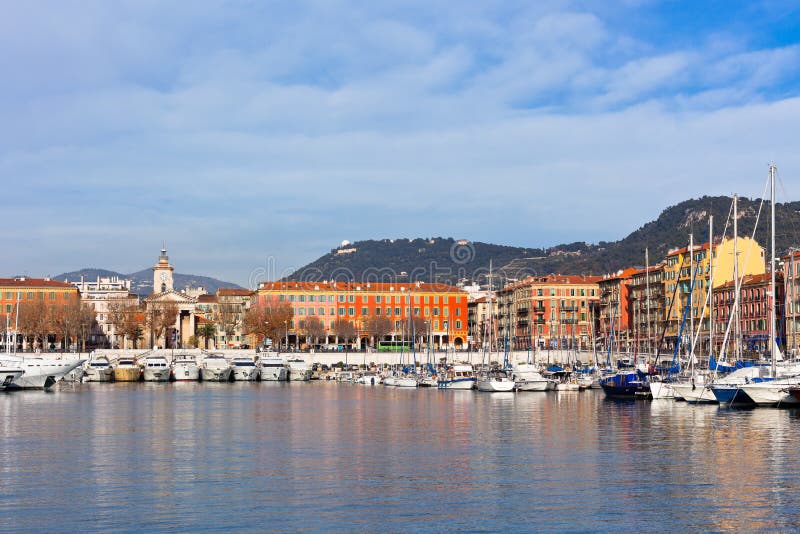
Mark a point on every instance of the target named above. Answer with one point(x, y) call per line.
point(458, 376)
point(215, 368)
point(245, 369)
point(727, 389)
point(494, 380)
point(273, 369)
point(156, 369)
point(185, 369)
point(8, 375)
point(406, 381)
point(527, 377)
point(127, 370)
point(299, 370)
point(389, 380)
point(568, 385)
point(39, 372)
point(427, 381)
point(98, 370)
point(625, 385)
point(369, 379)
point(773, 392)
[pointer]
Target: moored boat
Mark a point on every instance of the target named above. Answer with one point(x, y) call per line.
point(245, 369)
point(527, 377)
point(127, 370)
point(98, 370)
point(273, 369)
point(494, 380)
point(185, 369)
point(625, 385)
point(8, 375)
point(299, 370)
point(459, 376)
point(215, 368)
point(156, 369)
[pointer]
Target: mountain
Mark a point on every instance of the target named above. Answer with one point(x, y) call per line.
point(142, 281)
point(448, 260)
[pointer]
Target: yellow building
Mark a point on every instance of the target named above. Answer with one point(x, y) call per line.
point(678, 281)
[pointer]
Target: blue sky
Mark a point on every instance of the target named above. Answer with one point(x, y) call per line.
point(255, 136)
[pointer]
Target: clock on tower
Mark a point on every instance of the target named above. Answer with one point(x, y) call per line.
point(162, 273)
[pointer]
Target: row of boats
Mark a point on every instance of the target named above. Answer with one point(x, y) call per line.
point(211, 367)
point(752, 384)
point(463, 376)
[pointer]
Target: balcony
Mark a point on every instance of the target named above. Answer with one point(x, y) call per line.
point(539, 321)
point(522, 310)
point(522, 322)
point(538, 309)
point(569, 321)
point(569, 308)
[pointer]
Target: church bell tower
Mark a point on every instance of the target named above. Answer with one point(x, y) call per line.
point(162, 273)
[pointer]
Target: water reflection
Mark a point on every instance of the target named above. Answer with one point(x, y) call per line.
point(348, 457)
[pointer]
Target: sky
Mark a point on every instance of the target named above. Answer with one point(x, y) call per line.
point(254, 136)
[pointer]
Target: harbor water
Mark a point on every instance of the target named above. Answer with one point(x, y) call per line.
point(323, 456)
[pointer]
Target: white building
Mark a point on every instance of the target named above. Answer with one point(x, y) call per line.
point(101, 293)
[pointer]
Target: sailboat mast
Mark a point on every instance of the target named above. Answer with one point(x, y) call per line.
point(691, 297)
point(647, 298)
point(772, 343)
point(711, 284)
point(737, 325)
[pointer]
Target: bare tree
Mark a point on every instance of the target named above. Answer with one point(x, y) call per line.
point(344, 329)
point(227, 316)
point(34, 321)
point(313, 328)
point(270, 321)
point(160, 317)
point(127, 320)
point(378, 327)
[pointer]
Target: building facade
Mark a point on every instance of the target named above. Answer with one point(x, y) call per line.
point(554, 311)
point(443, 309)
point(103, 294)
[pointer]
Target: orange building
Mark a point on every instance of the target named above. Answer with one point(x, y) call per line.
point(32, 291)
point(553, 311)
point(616, 309)
point(443, 308)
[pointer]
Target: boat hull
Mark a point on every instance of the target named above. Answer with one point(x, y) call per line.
point(39, 373)
point(299, 375)
point(216, 375)
point(186, 372)
point(661, 390)
point(770, 394)
point(156, 375)
point(7, 377)
point(99, 375)
point(245, 374)
point(492, 385)
point(694, 393)
point(127, 374)
point(274, 374)
point(626, 392)
point(458, 383)
point(405, 382)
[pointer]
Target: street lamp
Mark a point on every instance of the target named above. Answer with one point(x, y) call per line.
point(286, 328)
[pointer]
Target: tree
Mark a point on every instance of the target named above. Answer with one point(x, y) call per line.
point(34, 321)
point(420, 328)
point(207, 331)
point(161, 317)
point(268, 321)
point(313, 328)
point(127, 320)
point(344, 329)
point(378, 327)
point(227, 317)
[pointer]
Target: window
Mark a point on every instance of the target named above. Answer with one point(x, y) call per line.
point(416, 311)
point(458, 300)
point(301, 311)
point(30, 295)
point(331, 298)
point(341, 298)
point(342, 311)
point(364, 311)
point(351, 298)
point(312, 298)
point(397, 311)
point(426, 299)
point(8, 308)
point(52, 295)
point(458, 312)
point(281, 298)
point(377, 299)
point(436, 312)
point(377, 311)
point(388, 311)
point(436, 299)
point(446, 312)
point(311, 311)
point(320, 311)
point(291, 298)
point(331, 311)
point(458, 324)
point(351, 311)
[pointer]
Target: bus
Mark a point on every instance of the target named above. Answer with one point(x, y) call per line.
point(394, 346)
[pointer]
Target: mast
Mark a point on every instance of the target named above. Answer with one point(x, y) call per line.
point(647, 298)
point(737, 325)
point(773, 344)
point(711, 284)
point(691, 298)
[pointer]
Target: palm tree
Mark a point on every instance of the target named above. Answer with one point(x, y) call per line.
point(206, 331)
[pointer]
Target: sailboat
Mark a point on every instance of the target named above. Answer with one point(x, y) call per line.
point(778, 391)
point(495, 378)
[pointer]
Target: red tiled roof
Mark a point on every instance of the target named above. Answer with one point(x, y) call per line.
point(233, 292)
point(754, 279)
point(376, 287)
point(207, 299)
point(34, 283)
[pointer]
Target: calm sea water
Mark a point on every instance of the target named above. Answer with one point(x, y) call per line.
point(325, 456)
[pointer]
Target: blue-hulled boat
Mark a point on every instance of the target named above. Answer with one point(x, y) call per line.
point(626, 385)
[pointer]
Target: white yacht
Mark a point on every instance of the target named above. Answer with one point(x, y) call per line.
point(245, 369)
point(527, 377)
point(185, 369)
point(494, 380)
point(773, 392)
point(39, 372)
point(8, 375)
point(369, 379)
point(98, 370)
point(127, 370)
point(274, 369)
point(299, 370)
point(459, 376)
point(406, 381)
point(215, 368)
point(156, 369)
